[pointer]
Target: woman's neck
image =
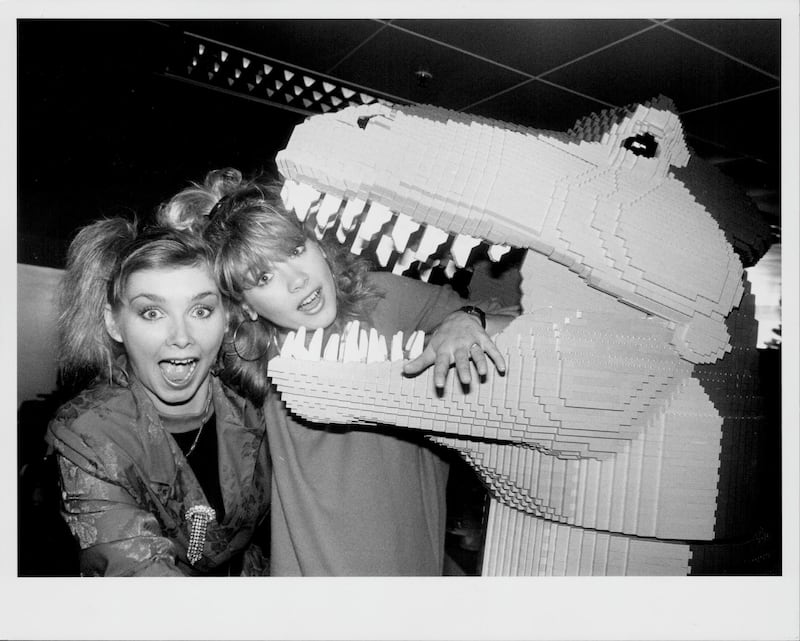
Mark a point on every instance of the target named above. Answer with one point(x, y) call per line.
point(195, 406)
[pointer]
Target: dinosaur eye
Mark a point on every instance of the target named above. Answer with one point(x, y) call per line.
point(642, 145)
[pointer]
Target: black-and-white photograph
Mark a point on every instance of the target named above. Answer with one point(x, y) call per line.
point(497, 299)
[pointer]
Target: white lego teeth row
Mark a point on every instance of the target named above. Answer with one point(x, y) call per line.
point(369, 221)
point(355, 345)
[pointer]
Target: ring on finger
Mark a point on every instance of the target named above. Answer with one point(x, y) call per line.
point(471, 347)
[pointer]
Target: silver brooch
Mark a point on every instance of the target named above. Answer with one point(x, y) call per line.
point(198, 517)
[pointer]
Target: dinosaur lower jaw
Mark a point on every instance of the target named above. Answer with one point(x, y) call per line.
point(605, 376)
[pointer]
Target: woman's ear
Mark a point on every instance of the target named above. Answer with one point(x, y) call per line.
point(249, 312)
point(111, 324)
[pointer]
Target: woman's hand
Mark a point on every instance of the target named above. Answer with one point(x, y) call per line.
point(459, 339)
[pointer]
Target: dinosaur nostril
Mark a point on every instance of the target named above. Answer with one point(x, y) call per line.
point(642, 145)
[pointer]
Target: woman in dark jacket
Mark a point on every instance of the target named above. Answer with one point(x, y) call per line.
point(164, 469)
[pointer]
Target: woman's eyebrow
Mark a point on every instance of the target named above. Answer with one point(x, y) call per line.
point(160, 299)
point(152, 297)
point(205, 295)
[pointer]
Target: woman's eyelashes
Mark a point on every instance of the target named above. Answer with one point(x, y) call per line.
point(155, 313)
point(203, 311)
point(151, 313)
point(266, 277)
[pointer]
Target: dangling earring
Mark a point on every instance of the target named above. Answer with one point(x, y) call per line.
point(236, 336)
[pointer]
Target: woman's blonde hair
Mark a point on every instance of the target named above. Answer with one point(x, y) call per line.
point(248, 229)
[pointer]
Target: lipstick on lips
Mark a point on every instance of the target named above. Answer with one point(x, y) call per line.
point(311, 302)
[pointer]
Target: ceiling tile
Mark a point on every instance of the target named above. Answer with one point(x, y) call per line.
point(756, 42)
point(530, 46)
point(661, 62)
point(746, 127)
point(760, 181)
point(317, 45)
point(387, 63)
point(539, 105)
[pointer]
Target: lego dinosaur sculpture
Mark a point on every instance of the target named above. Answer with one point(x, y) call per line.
point(630, 371)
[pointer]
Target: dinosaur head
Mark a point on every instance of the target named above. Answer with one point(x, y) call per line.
point(599, 421)
point(426, 187)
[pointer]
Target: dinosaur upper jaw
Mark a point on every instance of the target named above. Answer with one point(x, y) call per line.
point(430, 188)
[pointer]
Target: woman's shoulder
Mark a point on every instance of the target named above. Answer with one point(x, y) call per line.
point(394, 288)
point(385, 281)
point(409, 304)
point(101, 406)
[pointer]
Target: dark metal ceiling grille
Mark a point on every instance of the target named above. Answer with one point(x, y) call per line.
point(221, 67)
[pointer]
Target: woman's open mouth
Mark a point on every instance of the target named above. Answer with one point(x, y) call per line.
point(178, 371)
point(312, 303)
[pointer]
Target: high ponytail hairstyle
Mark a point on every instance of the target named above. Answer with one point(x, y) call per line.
point(85, 348)
point(248, 228)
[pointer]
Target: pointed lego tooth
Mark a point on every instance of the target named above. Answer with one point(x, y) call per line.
point(351, 211)
point(450, 269)
point(377, 216)
point(376, 353)
point(399, 268)
point(363, 345)
point(425, 273)
point(357, 245)
point(371, 224)
point(298, 197)
point(403, 227)
point(461, 249)
point(315, 346)
point(341, 234)
point(331, 352)
point(496, 252)
point(286, 193)
point(432, 237)
point(417, 344)
point(404, 262)
point(384, 250)
point(299, 349)
point(372, 345)
point(327, 211)
point(304, 200)
point(351, 354)
point(397, 347)
point(287, 350)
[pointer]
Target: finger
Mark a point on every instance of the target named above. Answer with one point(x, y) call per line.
point(476, 352)
point(440, 369)
point(462, 366)
point(496, 355)
point(420, 363)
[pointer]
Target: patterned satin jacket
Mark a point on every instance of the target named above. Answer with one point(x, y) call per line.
point(126, 485)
